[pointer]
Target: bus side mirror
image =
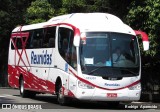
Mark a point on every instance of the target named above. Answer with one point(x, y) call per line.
point(76, 40)
point(145, 39)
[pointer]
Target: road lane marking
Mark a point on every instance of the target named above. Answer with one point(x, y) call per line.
point(139, 102)
point(5, 95)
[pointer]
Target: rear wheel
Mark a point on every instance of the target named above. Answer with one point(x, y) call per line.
point(25, 93)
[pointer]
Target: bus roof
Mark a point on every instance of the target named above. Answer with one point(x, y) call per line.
point(86, 22)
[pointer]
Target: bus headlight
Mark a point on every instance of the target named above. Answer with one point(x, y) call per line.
point(84, 85)
point(135, 87)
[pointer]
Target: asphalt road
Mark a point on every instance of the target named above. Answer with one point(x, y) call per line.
point(45, 102)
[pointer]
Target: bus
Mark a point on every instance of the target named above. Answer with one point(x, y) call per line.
point(84, 56)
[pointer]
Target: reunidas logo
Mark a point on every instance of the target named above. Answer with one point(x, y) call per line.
point(44, 58)
point(106, 84)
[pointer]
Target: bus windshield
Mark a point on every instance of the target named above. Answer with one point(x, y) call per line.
point(109, 54)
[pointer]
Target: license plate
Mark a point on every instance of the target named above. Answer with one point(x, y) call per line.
point(112, 95)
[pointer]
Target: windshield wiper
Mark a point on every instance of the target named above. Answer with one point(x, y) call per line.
point(95, 69)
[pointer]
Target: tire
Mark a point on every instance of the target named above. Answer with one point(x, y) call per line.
point(62, 100)
point(25, 93)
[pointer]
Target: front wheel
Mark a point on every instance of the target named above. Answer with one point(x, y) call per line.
point(62, 100)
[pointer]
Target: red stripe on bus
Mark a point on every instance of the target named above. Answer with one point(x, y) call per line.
point(25, 34)
point(32, 82)
point(20, 35)
point(89, 83)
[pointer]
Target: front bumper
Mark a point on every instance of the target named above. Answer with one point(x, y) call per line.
point(108, 95)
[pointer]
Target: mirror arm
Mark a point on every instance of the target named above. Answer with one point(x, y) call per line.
point(145, 39)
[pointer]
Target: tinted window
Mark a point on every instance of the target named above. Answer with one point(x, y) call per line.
point(65, 46)
point(36, 38)
point(12, 46)
point(49, 37)
point(18, 43)
point(29, 39)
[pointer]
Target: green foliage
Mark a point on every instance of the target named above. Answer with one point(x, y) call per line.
point(144, 15)
point(4, 18)
point(73, 6)
point(119, 8)
point(11, 15)
point(39, 11)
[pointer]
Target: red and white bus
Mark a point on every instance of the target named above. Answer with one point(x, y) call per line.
point(87, 56)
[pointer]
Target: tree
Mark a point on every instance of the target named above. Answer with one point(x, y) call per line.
point(74, 6)
point(119, 8)
point(116, 7)
point(144, 15)
point(11, 15)
point(39, 11)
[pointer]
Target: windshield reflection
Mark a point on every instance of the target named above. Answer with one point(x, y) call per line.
point(104, 51)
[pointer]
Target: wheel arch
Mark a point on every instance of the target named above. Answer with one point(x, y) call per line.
point(58, 81)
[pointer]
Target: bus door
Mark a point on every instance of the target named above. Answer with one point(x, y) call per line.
point(67, 56)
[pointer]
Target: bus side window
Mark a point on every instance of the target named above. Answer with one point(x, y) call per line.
point(29, 39)
point(49, 37)
point(66, 48)
point(36, 40)
point(19, 43)
point(12, 46)
point(63, 42)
